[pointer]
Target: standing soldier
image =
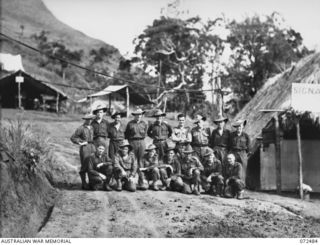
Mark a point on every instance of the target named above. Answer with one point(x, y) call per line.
point(239, 145)
point(200, 137)
point(136, 131)
point(219, 140)
point(191, 168)
point(159, 131)
point(99, 167)
point(181, 135)
point(100, 127)
point(83, 137)
point(149, 169)
point(233, 178)
point(212, 179)
point(116, 134)
point(125, 167)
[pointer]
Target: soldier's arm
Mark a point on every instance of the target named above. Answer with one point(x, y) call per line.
point(90, 166)
point(127, 131)
point(189, 136)
point(169, 130)
point(200, 166)
point(248, 143)
point(178, 166)
point(76, 137)
point(149, 131)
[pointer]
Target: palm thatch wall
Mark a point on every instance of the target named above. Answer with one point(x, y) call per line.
point(276, 94)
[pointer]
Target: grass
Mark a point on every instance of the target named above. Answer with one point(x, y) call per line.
point(20, 139)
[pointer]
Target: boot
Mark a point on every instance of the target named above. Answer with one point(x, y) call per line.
point(240, 195)
point(84, 184)
point(219, 190)
point(106, 185)
point(119, 185)
point(165, 184)
point(196, 190)
point(154, 186)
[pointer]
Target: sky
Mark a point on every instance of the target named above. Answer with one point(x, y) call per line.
point(118, 22)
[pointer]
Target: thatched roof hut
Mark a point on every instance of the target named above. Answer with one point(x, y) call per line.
point(276, 94)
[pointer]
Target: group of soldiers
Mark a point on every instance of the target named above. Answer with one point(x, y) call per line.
point(180, 158)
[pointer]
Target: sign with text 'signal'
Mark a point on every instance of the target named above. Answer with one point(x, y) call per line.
point(305, 97)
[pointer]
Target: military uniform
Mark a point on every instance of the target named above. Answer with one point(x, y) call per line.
point(100, 133)
point(234, 178)
point(190, 170)
point(173, 173)
point(239, 146)
point(135, 133)
point(116, 135)
point(84, 134)
point(200, 140)
point(159, 132)
point(182, 137)
point(125, 169)
point(93, 170)
point(213, 169)
point(149, 171)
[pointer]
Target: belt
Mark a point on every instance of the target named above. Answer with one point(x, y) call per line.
point(117, 140)
point(136, 139)
point(221, 146)
point(158, 140)
point(100, 136)
point(200, 145)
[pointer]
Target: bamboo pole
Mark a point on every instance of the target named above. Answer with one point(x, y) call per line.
point(299, 158)
point(278, 153)
point(57, 103)
point(128, 101)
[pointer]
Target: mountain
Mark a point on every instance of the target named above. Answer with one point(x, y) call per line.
point(22, 19)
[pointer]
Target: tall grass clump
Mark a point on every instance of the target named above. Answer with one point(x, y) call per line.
point(24, 142)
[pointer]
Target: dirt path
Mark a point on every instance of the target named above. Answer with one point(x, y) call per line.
point(80, 213)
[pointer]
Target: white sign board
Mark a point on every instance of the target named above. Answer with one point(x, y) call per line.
point(305, 97)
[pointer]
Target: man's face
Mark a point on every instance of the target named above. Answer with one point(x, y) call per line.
point(221, 124)
point(231, 159)
point(239, 129)
point(159, 119)
point(188, 156)
point(99, 114)
point(137, 117)
point(170, 154)
point(100, 150)
point(117, 119)
point(182, 121)
point(200, 124)
point(125, 150)
point(210, 158)
point(152, 153)
point(87, 121)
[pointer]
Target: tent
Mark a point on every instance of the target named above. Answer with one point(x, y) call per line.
point(119, 97)
point(32, 90)
point(261, 114)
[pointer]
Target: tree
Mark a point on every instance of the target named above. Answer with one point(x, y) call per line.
point(172, 47)
point(261, 49)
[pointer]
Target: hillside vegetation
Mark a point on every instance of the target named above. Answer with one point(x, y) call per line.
point(23, 19)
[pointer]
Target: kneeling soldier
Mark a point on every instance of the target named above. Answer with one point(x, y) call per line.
point(171, 173)
point(212, 180)
point(234, 181)
point(125, 167)
point(99, 167)
point(149, 169)
point(190, 169)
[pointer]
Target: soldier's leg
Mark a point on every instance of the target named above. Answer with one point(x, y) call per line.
point(238, 187)
point(95, 181)
point(141, 150)
point(164, 179)
point(118, 176)
point(196, 180)
point(155, 178)
point(108, 172)
point(143, 183)
point(113, 148)
point(205, 184)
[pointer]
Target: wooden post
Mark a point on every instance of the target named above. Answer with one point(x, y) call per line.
point(159, 79)
point(19, 95)
point(128, 101)
point(278, 153)
point(110, 102)
point(57, 103)
point(165, 104)
point(299, 158)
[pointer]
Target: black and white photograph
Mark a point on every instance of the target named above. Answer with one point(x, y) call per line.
point(159, 119)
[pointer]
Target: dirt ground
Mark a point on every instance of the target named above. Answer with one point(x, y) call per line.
point(80, 213)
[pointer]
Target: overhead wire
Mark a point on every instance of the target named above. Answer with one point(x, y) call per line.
point(103, 74)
